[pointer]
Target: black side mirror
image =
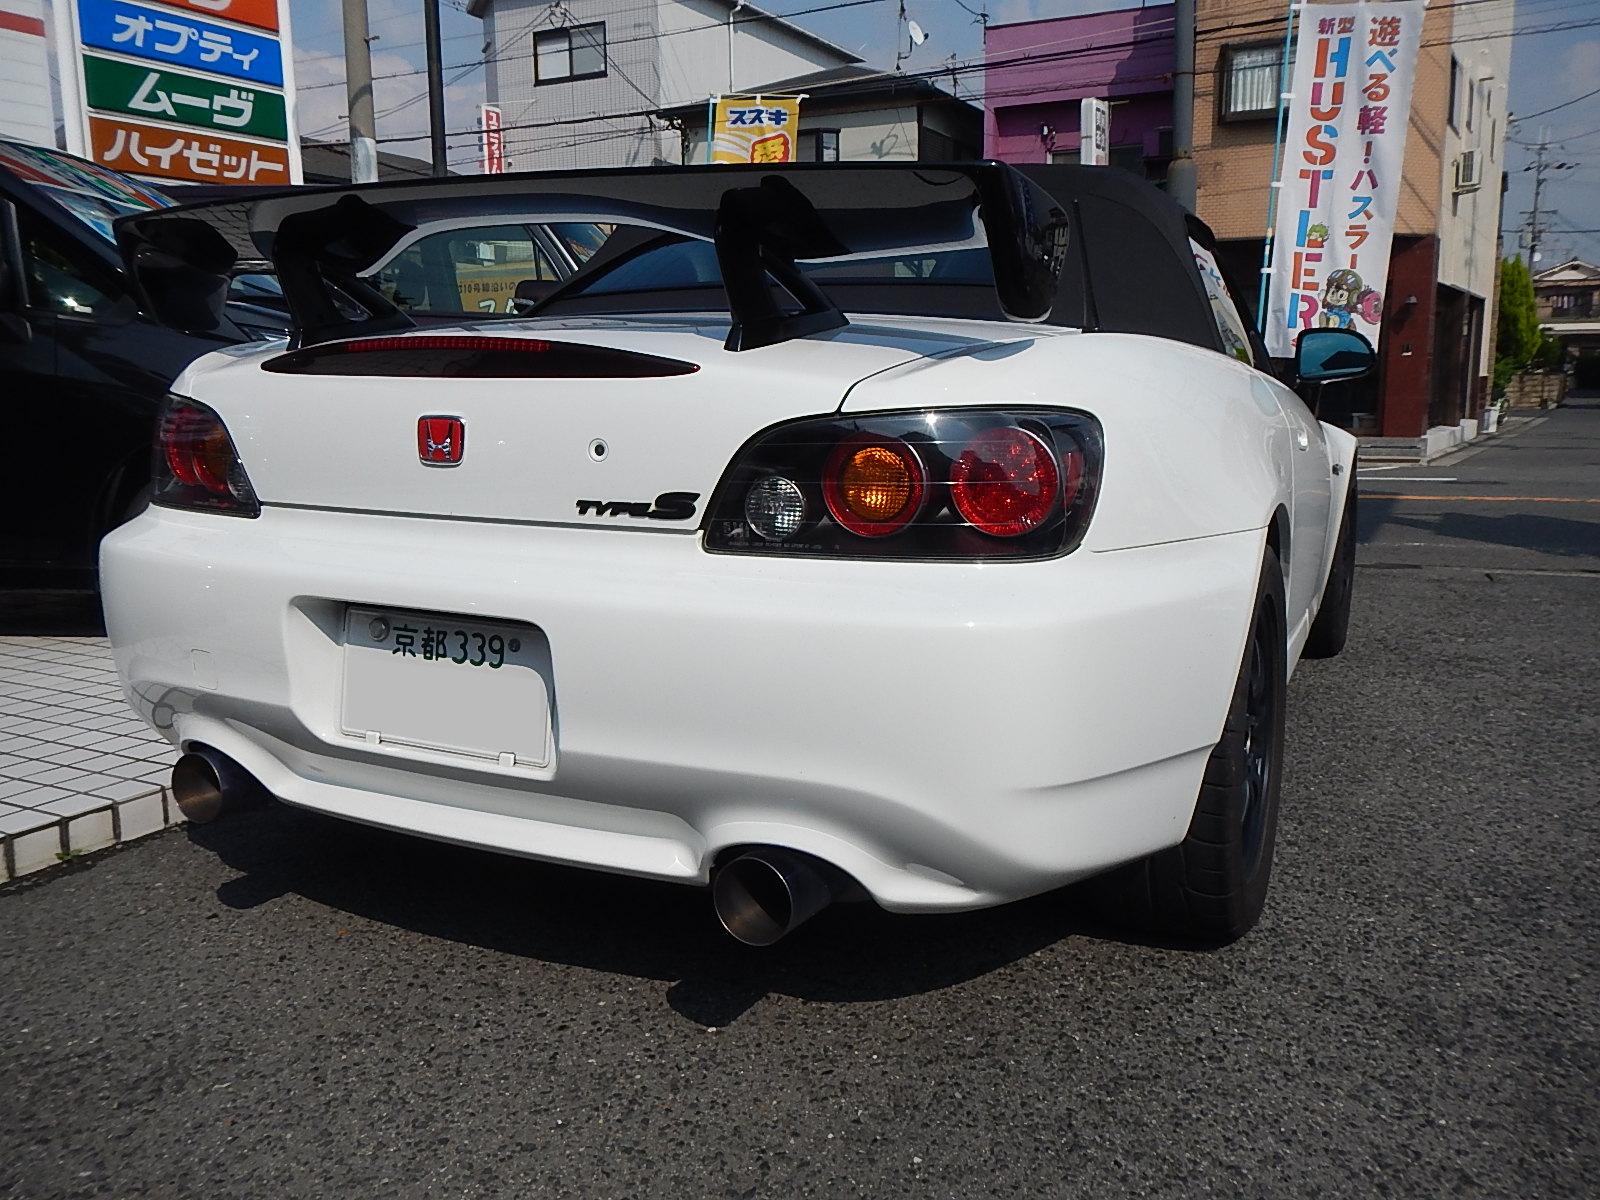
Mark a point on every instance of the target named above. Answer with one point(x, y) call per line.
point(1329, 355)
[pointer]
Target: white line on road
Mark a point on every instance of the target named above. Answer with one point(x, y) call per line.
point(1417, 479)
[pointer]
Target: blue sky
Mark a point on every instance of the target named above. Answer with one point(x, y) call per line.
point(1548, 67)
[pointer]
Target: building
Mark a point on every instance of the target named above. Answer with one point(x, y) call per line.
point(579, 82)
point(1036, 72)
point(855, 113)
point(1568, 301)
point(28, 114)
point(1437, 351)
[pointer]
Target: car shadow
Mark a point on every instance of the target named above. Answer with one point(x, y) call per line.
point(51, 614)
point(850, 953)
point(1562, 536)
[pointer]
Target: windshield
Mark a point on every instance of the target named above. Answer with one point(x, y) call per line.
point(92, 193)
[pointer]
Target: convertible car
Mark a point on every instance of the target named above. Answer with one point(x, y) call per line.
point(933, 535)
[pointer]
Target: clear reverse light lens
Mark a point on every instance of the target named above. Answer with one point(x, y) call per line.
point(774, 508)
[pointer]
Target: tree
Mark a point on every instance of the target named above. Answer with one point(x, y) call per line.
point(1517, 338)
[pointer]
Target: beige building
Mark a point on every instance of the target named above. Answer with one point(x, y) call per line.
point(1437, 348)
point(858, 114)
point(578, 81)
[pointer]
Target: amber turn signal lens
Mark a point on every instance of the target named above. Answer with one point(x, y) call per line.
point(873, 486)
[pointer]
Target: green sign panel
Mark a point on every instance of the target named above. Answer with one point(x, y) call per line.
point(213, 104)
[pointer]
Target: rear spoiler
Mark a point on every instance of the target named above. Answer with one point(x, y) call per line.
point(762, 221)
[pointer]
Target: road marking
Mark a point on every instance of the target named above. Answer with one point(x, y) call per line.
point(1496, 499)
point(1417, 479)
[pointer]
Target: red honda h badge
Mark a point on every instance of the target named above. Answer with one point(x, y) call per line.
point(441, 441)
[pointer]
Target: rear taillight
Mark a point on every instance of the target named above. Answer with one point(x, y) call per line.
point(196, 465)
point(943, 484)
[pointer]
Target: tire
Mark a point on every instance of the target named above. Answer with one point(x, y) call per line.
point(1212, 886)
point(1331, 629)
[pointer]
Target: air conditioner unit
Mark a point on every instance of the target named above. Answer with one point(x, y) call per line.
point(1469, 171)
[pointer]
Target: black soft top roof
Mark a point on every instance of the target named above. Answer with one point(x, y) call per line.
point(1089, 246)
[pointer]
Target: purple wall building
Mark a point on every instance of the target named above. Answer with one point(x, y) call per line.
point(1038, 71)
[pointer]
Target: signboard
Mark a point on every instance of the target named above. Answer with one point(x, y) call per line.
point(1094, 132)
point(1342, 160)
point(198, 90)
point(494, 142)
point(755, 129)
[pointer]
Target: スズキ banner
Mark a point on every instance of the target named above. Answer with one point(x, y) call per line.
point(755, 129)
point(1342, 159)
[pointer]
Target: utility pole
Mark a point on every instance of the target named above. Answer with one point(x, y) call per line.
point(737, 5)
point(1538, 187)
point(1181, 171)
point(358, 90)
point(1540, 167)
point(430, 21)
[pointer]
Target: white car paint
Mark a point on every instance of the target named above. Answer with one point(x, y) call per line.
point(952, 735)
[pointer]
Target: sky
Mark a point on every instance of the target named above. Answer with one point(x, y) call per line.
point(1549, 67)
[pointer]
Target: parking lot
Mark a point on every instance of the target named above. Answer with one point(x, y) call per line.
point(280, 1004)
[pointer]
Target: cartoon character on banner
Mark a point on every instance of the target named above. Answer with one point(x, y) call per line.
point(1346, 297)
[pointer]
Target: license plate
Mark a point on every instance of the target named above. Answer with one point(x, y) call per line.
point(443, 683)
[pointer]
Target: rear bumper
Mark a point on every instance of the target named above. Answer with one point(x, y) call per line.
point(952, 736)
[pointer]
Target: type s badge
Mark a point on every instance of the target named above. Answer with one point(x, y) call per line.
point(668, 506)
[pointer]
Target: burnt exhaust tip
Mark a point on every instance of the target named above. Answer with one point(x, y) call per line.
point(762, 896)
point(206, 784)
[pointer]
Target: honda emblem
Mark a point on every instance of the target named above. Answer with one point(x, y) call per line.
point(441, 441)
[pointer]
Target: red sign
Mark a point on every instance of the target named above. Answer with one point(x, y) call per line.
point(494, 142)
point(150, 150)
point(263, 14)
point(441, 440)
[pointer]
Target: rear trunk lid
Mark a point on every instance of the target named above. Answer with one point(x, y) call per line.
point(617, 452)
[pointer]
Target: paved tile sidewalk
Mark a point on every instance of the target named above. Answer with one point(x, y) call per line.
point(78, 771)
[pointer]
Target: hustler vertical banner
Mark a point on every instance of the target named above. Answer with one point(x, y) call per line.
point(1345, 146)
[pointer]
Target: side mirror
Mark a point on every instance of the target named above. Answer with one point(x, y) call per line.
point(1329, 355)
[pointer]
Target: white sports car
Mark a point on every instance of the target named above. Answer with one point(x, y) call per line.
point(938, 535)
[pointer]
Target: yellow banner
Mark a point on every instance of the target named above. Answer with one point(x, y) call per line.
point(755, 129)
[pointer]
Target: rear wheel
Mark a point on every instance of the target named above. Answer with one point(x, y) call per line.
point(1332, 627)
point(1212, 886)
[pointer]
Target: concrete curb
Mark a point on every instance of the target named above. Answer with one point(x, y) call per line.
point(28, 848)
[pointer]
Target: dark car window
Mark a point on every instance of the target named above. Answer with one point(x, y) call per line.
point(62, 278)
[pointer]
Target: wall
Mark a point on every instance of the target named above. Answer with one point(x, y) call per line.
point(1025, 87)
point(659, 54)
point(1233, 159)
point(27, 115)
point(1469, 222)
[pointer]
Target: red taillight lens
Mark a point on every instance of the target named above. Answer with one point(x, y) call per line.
point(196, 465)
point(873, 486)
point(509, 345)
point(1005, 482)
point(994, 483)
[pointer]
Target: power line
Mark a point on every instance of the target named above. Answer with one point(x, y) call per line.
point(1554, 107)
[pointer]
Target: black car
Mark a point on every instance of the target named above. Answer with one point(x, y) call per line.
point(82, 368)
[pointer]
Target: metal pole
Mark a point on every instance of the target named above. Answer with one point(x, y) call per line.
point(430, 20)
point(1181, 172)
point(358, 89)
point(1538, 187)
point(1273, 185)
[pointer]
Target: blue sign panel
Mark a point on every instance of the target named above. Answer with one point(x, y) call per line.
point(172, 38)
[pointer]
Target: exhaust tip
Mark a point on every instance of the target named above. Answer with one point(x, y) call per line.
point(763, 896)
point(206, 785)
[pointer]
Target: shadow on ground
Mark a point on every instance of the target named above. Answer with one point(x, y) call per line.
point(50, 614)
point(850, 953)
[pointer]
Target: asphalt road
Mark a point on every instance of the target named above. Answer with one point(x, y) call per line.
point(284, 1006)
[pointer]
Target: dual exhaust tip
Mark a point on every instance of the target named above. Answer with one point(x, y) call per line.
point(761, 896)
